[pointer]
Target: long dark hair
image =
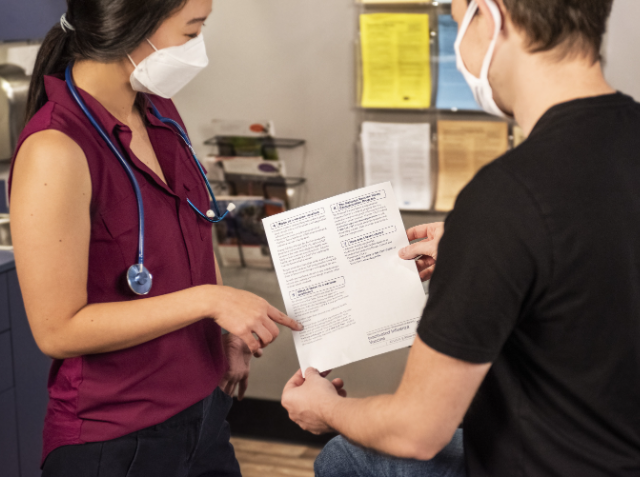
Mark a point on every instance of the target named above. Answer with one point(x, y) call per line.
point(105, 31)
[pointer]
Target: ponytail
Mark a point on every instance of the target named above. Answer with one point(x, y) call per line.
point(102, 30)
point(52, 58)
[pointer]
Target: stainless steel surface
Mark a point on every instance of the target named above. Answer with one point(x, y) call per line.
point(14, 87)
point(5, 232)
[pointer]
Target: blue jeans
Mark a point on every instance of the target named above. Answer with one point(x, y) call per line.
point(340, 458)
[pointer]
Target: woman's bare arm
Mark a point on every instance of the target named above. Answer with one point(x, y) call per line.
point(50, 222)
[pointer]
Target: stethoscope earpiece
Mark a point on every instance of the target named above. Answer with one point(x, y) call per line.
point(211, 214)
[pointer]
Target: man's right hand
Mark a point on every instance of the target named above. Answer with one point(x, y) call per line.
point(427, 248)
point(244, 314)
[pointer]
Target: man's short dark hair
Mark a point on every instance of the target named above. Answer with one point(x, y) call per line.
point(578, 24)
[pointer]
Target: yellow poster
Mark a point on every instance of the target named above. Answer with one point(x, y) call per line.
point(464, 147)
point(395, 60)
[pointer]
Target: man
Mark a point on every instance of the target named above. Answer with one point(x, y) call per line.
point(532, 330)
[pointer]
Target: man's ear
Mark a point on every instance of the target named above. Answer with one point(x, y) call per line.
point(487, 20)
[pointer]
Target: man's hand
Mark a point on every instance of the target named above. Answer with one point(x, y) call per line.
point(239, 358)
point(307, 400)
point(416, 422)
point(427, 248)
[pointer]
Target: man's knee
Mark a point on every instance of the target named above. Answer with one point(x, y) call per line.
point(336, 459)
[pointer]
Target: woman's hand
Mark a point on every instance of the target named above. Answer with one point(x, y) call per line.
point(427, 249)
point(249, 317)
point(239, 358)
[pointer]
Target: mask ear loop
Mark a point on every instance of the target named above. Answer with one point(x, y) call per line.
point(131, 59)
point(470, 14)
point(152, 45)
point(497, 18)
point(486, 64)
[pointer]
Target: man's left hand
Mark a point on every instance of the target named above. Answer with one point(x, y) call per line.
point(306, 399)
point(239, 358)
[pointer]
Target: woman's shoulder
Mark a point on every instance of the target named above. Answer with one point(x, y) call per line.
point(52, 126)
point(40, 121)
point(48, 134)
point(52, 116)
point(52, 154)
point(43, 139)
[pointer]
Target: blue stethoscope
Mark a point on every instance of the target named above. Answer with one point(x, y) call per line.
point(138, 277)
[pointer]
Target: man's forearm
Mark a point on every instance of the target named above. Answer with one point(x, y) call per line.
point(417, 421)
point(382, 424)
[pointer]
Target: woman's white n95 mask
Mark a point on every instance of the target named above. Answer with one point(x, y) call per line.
point(165, 72)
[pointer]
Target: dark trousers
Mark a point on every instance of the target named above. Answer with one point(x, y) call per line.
point(193, 443)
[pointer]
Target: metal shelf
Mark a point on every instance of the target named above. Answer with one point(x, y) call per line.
point(263, 141)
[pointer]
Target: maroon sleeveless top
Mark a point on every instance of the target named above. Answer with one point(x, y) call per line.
point(105, 396)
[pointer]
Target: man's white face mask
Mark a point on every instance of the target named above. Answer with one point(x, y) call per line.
point(480, 87)
point(165, 72)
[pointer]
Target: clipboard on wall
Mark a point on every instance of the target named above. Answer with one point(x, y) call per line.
point(394, 67)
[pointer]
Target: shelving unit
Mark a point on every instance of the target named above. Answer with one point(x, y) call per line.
point(428, 115)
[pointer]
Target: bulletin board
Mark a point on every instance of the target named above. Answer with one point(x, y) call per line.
point(420, 125)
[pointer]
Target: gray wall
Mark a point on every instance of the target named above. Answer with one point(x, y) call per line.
point(290, 61)
point(622, 56)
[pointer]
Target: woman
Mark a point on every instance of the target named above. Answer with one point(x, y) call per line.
point(134, 387)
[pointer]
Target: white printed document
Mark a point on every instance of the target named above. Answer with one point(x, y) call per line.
point(341, 277)
point(399, 153)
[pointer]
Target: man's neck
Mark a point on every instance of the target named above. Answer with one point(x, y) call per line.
point(109, 84)
point(541, 82)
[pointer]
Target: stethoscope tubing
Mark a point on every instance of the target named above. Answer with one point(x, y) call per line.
point(116, 152)
point(138, 276)
point(181, 132)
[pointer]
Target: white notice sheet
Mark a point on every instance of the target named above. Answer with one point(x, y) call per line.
point(401, 154)
point(340, 275)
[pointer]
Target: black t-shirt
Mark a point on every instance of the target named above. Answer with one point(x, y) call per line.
point(539, 273)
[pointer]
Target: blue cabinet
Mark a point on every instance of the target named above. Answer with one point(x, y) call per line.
point(6, 362)
point(5, 322)
point(8, 431)
point(23, 381)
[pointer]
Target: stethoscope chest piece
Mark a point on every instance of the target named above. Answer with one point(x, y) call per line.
point(139, 279)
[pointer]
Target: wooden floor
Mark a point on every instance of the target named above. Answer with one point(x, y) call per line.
point(272, 459)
